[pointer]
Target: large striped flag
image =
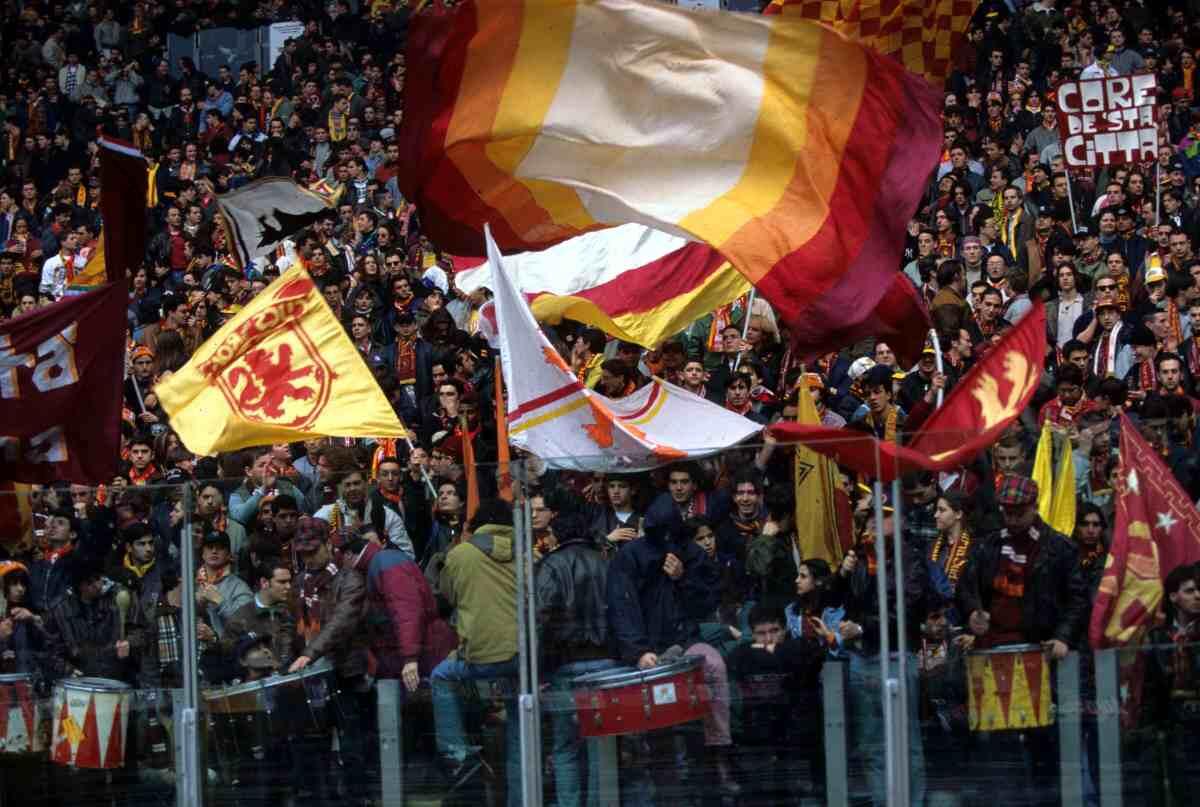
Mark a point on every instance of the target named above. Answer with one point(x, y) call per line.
point(923, 36)
point(795, 153)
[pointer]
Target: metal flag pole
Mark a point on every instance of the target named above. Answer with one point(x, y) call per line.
point(745, 325)
point(902, 713)
point(884, 641)
point(937, 359)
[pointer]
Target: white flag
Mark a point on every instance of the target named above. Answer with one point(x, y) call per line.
point(259, 216)
point(555, 417)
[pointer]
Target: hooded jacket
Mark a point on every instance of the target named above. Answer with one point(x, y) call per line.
point(570, 585)
point(403, 624)
point(648, 611)
point(479, 580)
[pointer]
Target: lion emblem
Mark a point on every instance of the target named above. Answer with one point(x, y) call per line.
point(285, 383)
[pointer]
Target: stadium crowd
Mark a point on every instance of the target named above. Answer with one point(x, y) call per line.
point(344, 562)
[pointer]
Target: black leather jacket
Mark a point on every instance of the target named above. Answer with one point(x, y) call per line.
point(858, 593)
point(1055, 605)
point(572, 611)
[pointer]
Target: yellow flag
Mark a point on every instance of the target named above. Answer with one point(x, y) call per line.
point(816, 508)
point(1043, 472)
point(1062, 512)
point(282, 370)
point(94, 273)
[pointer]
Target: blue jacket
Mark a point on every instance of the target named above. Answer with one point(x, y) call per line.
point(647, 611)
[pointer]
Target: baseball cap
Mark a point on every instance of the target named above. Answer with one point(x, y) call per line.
point(860, 367)
point(217, 537)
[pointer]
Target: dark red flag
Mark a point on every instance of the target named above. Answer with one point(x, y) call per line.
point(1157, 528)
point(975, 413)
point(61, 371)
point(123, 187)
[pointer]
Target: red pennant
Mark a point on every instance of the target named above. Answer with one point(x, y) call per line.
point(114, 755)
point(1002, 672)
point(88, 755)
point(1033, 677)
point(62, 743)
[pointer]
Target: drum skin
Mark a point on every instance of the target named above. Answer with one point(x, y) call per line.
point(1008, 688)
point(627, 701)
point(91, 716)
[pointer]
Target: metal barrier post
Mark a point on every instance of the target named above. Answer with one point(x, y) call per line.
point(608, 789)
point(189, 775)
point(1070, 745)
point(1108, 724)
point(189, 770)
point(837, 769)
point(390, 701)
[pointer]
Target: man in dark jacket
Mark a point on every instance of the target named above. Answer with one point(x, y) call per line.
point(267, 615)
point(660, 587)
point(570, 584)
point(1024, 585)
point(86, 632)
point(330, 603)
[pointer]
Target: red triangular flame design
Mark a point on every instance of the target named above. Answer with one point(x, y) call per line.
point(1002, 671)
point(114, 755)
point(88, 755)
point(62, 744)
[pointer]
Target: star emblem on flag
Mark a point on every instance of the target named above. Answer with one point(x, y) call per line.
point(1166, 521)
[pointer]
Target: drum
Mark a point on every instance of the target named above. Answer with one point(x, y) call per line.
point(626, 700)
point(90, 720)
point(1008, 688)
point(20, 716)
point(246, 717)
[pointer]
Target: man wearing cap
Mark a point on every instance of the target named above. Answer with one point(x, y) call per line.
point(219, 591)
point(1090, 258)
point(1024, 585)
point(411, 357)
point(139, 388)
point(1110, 356)
point(267, 616)
point(330, 606)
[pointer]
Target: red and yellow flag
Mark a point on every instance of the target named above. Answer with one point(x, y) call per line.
point(282, 370)
point(922, 36)
point(787, 148)
point(1157, 528)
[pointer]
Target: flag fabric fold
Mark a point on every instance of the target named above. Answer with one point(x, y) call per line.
point(123, 188)
point(260, 215)
point(1056, 491)
point(920, 35)
point(1156, 529)
point(975, 413)
point(785, 147)
point(282, 370)
point(632, 282)
point(57, 362)
point(555, 417)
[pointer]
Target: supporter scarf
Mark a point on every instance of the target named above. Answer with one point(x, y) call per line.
point(1147, 377)
point(889, 424)
point(144, 476)
point(741, 410)
point(1105, 361)
point(139, 571)
point(206, 577)
point(1174, 322)
point(1008, 233)
point(337, 127)
point(406, 361)
point(946, 246)
point(53, 556)
point(310, 598)
point(956, 560)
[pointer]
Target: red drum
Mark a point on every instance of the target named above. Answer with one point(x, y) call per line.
point(20, 716)
point(626, 700)
point(91, 716)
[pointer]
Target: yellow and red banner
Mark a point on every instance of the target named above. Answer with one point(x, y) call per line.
point(920, 35)
point(795, 153)
point(1156, 529)
point(282, 370)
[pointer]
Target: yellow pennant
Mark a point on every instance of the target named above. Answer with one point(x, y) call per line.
point(282, 370)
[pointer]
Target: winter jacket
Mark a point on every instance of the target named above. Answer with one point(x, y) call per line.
point(339, 612)
point(83, 636)
point(572, 607)
point(479, 580)
point(1055, 605)
point(402, 618)
point(234, 594)
point(647, 610)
